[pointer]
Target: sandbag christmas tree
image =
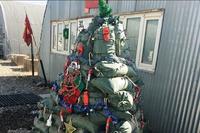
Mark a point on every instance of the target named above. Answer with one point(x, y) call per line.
point(99, 91)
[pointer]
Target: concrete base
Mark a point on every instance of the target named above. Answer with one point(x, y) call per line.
point(25, 61)
point(28, 64)
point(18, 59)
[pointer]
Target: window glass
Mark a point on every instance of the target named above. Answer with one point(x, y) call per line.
point(60, 37)
point(149, 41)
point(84, 23)
point(66, 41)
point(132, 29)
point(54, 37)
point(73, 33)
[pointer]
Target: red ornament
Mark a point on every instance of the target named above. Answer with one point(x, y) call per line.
point(138, 92)
point(106, 34)
point(67, 63)
point(80, 48)
point(69, 110)
point(108, 121)
point(71, 96)
point(86, 98)
point(61, 115)
point(90, 71)
point(142, 123)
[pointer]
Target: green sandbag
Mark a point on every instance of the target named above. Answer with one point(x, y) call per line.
point(94, 97)
point(122, 100)
point(112, 85)
point(125, 127)
point(102, 47)
point(111, 69)
point(97, 118)
point(40, 126)
point(54, 129)
point(50, 103)
point(84, 69)
point(82, 122)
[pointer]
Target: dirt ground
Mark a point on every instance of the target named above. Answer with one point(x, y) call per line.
point(14, 80)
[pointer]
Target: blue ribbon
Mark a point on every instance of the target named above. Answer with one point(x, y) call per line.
point(86, 109)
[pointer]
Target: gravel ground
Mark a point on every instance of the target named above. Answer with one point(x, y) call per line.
point(14, 80)
point(17, 119)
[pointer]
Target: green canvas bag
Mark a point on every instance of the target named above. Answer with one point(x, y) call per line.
point(82, 122)
point(122, 100)
point(102, 47)
point(113, 69)
point(112, 85)
point(125, 127)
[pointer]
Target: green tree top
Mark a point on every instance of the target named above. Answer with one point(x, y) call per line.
point(104, 9)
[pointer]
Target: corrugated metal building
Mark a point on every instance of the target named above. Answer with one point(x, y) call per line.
point(171, 96)
point(12, 20)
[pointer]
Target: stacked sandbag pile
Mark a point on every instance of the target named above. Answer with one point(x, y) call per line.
point(98, 91)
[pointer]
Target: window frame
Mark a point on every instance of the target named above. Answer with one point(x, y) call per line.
point(55, 50)
point(60, 22)
point(72, 21)
point(141, 37)
point(68, 40)
point(125, 22)
point(143, 66)
point(55, 23)
point(52, 36)
point(83, 19)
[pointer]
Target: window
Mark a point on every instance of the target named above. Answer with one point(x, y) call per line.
point(60, 37)
point(59, 44)
point(143, 35)
point(54, 36)
point(66, 41)
point(83, 23)
point(73, 33)
point(133, 35)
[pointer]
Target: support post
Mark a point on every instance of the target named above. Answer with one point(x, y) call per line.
point(41, 63)
point(43, 72)
point(32, 59)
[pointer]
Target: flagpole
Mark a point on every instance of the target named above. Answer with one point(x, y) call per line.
point(32, 59)
point(32, 54)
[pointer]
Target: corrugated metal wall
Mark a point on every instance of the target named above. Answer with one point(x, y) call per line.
point(171, 96)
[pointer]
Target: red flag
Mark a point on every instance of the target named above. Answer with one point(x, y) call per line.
point(27, 32)
point(90, 4)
